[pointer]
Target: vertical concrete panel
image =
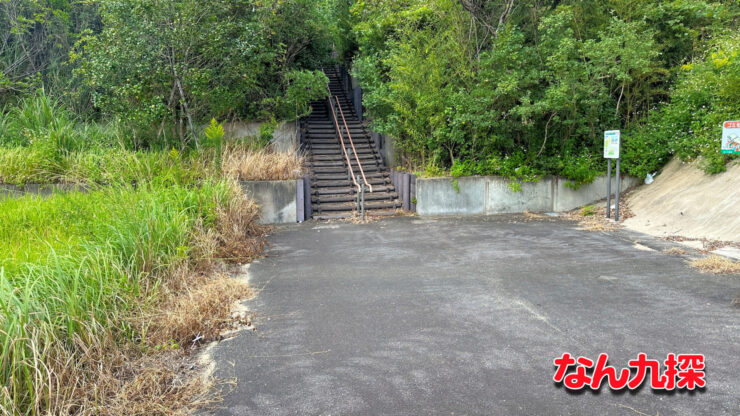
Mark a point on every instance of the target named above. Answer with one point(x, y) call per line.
point(439, 196)
point(412, 193)
point(307, 195)
point(406, 191)
point(276, 198)
point(357, 99)
point(300, 211)
point(389, 153)
point(502, 199)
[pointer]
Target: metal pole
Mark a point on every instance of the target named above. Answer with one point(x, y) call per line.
point(608, 188)
point(362, 189)
point(616, 207)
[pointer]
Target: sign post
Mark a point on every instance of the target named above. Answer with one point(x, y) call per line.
point(611, 151)
point(731, 137)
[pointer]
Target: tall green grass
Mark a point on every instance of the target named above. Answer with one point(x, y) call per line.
point(74, 266)
point(23, 165)
point(40, 119)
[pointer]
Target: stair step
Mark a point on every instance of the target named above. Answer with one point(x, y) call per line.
point(337, 206)
point(383, 174)
point(352, 190)
point(369, 196)
point(347, 183)
point(336, 216)
point(319, 154)
point(343, 169)
point(339, 156)
point(335, 141)
point(333, 130)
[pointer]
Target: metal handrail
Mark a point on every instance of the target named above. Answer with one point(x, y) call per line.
point(346, 155)
point(354, 151)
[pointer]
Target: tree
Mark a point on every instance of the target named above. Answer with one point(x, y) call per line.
point(167, 65)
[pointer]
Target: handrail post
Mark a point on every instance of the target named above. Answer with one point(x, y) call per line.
point(362, 202)
point(344, 150)
point(351, 142)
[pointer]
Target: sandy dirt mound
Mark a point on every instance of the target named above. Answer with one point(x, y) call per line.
point(684, 201)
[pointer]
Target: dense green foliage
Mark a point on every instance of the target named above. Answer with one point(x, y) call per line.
point(164, 68)
point(527, 88)
point(35, 39)
point(178, 62)
point(706, 94)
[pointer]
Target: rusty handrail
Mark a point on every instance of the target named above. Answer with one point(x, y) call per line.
point(353, 145)
point(344, 149)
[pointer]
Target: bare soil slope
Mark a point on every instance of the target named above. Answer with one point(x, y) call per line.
point(684, 201)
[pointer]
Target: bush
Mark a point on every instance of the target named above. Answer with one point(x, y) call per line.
point(690, 126)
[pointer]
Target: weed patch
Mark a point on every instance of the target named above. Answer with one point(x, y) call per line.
point(250, 164)
point(105, 294)
point(675, 251)
point(716, 264)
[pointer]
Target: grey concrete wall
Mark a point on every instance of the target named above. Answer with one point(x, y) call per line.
point(284, 138)
point(278, 200)
point(501, 199)
point(438, 196)
point(493, 195)
point(567, 198)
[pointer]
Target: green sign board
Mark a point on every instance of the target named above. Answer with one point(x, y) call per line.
point(731, 137)
point(611, 144)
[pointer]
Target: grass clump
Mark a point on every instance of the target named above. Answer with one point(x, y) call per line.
point(588, 210)
point(88, 283)
point(24, 165)
point(716, 264)
point(254, 164)
point(675, 251)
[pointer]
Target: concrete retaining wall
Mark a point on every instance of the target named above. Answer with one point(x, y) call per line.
point(284, 138)
point(486, 195)
point(282, 202)
point(15, 191)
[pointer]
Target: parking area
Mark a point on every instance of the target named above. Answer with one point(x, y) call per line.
point(464, 316)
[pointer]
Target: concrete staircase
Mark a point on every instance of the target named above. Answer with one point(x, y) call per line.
point(333, 194)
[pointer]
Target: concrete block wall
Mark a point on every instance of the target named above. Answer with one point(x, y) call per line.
point(284, 138)
point(487, 195)
point(566, 198)
point(282, 202)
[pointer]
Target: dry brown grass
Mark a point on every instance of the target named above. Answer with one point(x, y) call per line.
point(716, 264)
point(595, 223)
point(674, 251)
point(533, 215)
point(198, 313)
point(249, 164)
point(593, 217)
point(156, 372)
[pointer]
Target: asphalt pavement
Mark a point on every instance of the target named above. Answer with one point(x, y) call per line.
point(464, 316)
